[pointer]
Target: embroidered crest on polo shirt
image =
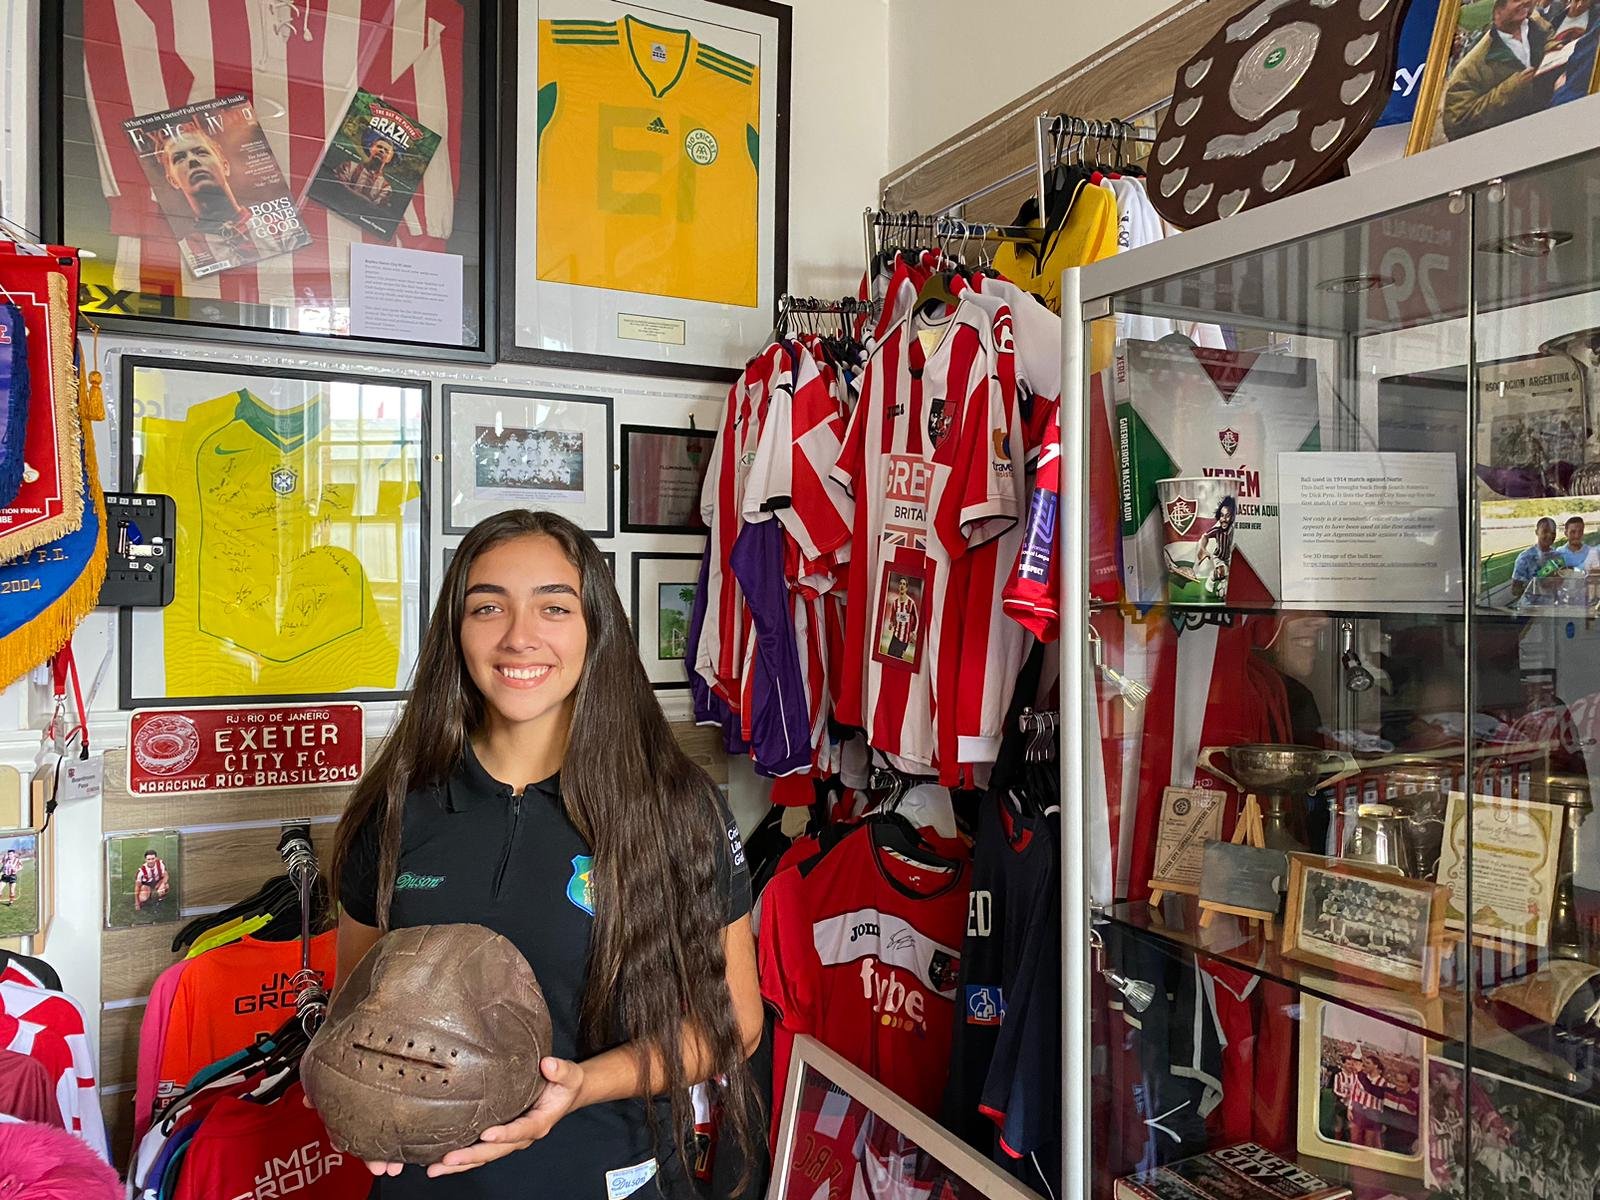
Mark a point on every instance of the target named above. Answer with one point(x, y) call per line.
point(580, 888)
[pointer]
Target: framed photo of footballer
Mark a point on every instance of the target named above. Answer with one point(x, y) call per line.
point(1361, 1084)
point(648, 185)
point(537, 450)
point(664, 588)
point(225, 173)
point(19, 882)
point(1484, 70)
point(144, 879)
point(302, 520)
point(663, 471)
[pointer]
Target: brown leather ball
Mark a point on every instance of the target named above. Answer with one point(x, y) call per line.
point(435, 1037)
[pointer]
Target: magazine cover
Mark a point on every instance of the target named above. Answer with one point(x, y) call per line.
point(374, 165)
point(215, 177)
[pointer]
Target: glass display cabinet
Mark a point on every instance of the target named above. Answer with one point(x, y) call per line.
point(1334, 603)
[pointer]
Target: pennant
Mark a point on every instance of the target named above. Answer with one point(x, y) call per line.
point(13, 399)
point(49, 503)
point(48, 589)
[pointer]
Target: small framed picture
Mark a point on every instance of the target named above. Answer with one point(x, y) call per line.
point(1497, 60)
point(1361, 1085)
point(536, 450)
point(19, 882)
point(1365, 923)
point(663, 471)
point(663, 597)
point(144, 879)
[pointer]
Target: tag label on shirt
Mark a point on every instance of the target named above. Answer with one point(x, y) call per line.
point(625, 1181)
point(986, 1005)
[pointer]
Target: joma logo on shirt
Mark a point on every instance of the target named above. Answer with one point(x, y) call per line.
point(865, 929)
point(286, 1176)
point(411, 882)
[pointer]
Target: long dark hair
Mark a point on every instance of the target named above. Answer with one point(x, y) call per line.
point(650, 816)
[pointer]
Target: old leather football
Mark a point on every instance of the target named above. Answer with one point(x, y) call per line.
point(435, 1036)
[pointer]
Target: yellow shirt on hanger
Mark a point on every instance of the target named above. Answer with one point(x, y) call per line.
point(648, 152)
point(272, 597)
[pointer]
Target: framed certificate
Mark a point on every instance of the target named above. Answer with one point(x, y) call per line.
point(664, 588)
point(663, 471)
point(537, 450)
point(304, 170)
point(650, 183)
point(1515, 855)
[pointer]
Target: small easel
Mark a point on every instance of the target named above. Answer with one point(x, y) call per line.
point(1248, 830)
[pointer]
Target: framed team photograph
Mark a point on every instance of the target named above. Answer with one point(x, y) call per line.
point(649, 141)
point(1361, 1086)
point(664, 587)
point(1365, 923)
point(537, 450)
point(663, 471)
point(323, 174)
point(19, 883)
point(144, 879)
point(302, 518)
point(1493, 61)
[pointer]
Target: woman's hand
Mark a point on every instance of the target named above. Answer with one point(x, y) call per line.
point(563, 1084)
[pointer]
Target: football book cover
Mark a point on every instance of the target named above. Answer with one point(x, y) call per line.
point(374, 165)
point(221, 188)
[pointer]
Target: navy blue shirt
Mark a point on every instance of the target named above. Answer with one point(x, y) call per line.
point(473, 851)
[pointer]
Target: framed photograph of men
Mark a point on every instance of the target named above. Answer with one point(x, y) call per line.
point(144, 874)
point(1365, 923)
point(664, 588)
point(648, 195)
point(302, 527)
point(538, 450)
point(237, 172)
point(1361, 1085)
point(663, 471)
point(1494, 61)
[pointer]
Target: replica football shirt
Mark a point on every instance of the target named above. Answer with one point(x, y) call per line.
point(44, 1025)
point(243, 1149)
point(271, 596)
point(649, 148)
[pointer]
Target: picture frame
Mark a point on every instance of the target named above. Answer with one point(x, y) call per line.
point(1365, 923)
point(439, 79)
point(135, 897)
point(663, 595)
point(348, 622)
point(1515, 858)
point(1190, 817)
point(20, 893)
point(1380, 1049)
point(1467, 60)
point(542, 450)
point(663, 471)
point(641, 291)
point(1242, 880)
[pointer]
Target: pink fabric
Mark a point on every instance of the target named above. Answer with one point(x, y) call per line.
point(40, 1163)
point(152, 1044)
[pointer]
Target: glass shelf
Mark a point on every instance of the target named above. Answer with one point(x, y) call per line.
point(1192, 613)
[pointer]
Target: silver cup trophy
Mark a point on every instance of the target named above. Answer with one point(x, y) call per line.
point(1280, 777)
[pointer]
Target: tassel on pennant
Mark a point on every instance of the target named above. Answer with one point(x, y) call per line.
point(93, 391)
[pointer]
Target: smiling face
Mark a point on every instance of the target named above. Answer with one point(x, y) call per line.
point(1546, 533)
point(1575, 533)
point(523, 637)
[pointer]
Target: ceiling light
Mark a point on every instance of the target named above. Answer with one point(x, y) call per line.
point(1532, 243)
point(1350, 285)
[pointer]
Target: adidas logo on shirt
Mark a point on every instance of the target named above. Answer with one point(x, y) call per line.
point(657, 126)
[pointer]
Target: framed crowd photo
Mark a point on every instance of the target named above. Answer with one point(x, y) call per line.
point(302, 517)
point(647, 180)
point(537, 450)
point(1493, 61)
point(19, 883)
point(1361, 1085)
point(1364, 922)
point(664, 588)
point(321, 170)
point(663, 471)
point(144, 879)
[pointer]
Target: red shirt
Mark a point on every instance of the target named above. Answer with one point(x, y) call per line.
point(246, 1151)
point(862, 950)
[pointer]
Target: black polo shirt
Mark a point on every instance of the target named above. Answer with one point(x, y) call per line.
point(472, 851)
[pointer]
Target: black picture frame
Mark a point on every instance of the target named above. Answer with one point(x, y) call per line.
point(129, 363)
point(509, 147)
point(448, 395)
point(637, 574)
point(709, 436)
point(482, 29)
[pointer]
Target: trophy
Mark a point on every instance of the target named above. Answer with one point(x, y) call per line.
point(1281, 776)
point(1582, 349)
point(1568, 939)
point(1378, 838)
point(1418, 788)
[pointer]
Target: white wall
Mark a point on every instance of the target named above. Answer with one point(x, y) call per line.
point(838, 152)
point(952, 62)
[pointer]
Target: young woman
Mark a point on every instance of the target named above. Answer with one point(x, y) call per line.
point(532, 785)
